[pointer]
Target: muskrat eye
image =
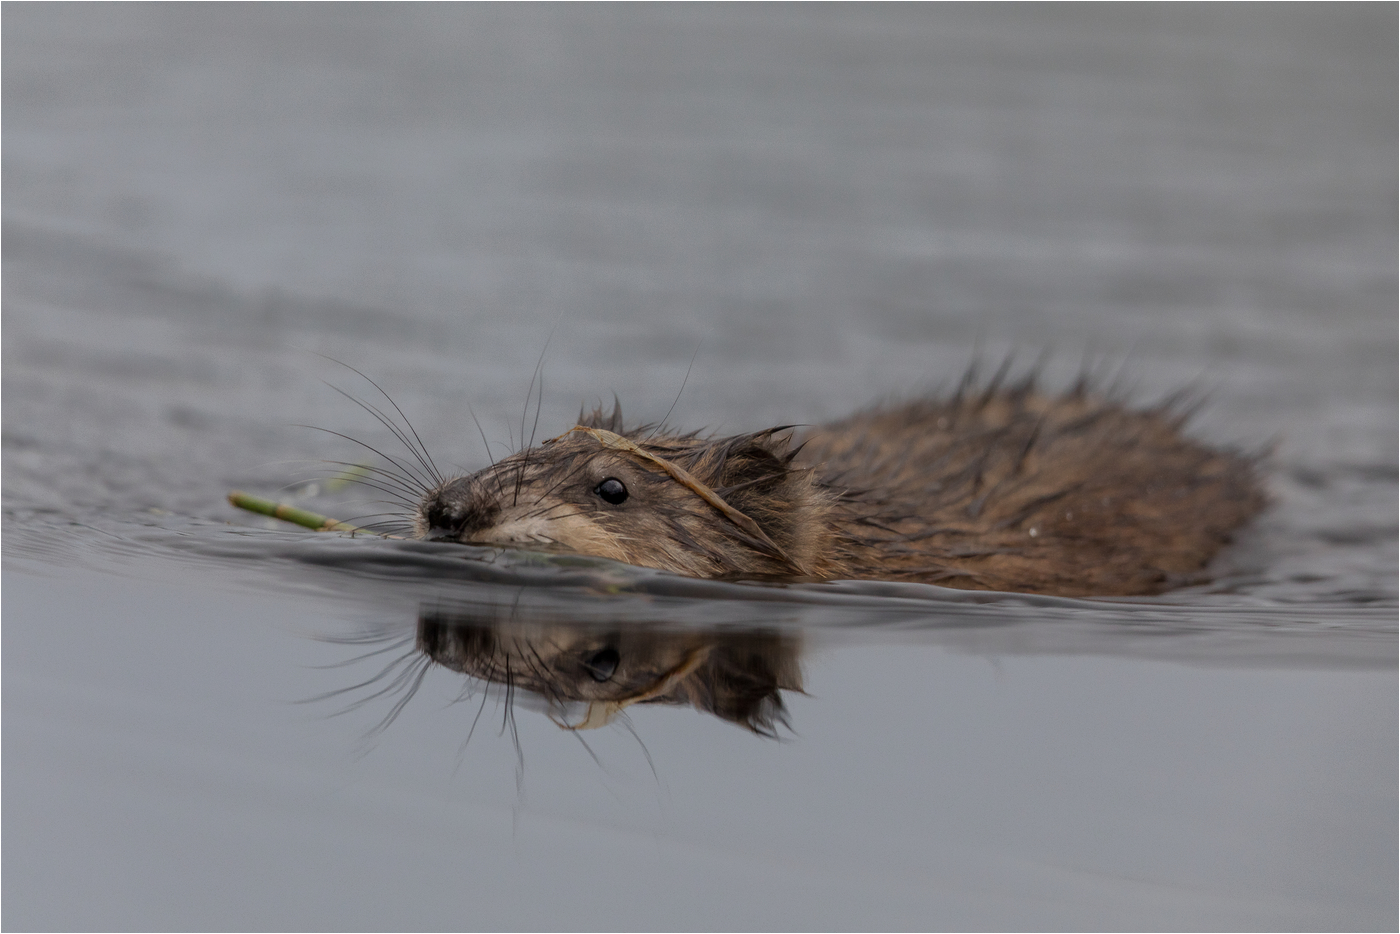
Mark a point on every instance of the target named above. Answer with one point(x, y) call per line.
point(612, 490)
point(603, 664)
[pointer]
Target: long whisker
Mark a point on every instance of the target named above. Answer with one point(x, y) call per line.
point(626, 722)
point(539, 405)
point(402, 497)
point(423, 665)
point(408, 474)
point(594, 756)
point(396, 644)
point(510, 696)
point(363, 684)
point(370, 468)
point(395, 524)
point(430, 466)
point(485, 693)
point(399, 681)
point(481, 431)
point(519, 750)
point(393, 426)
point(400, 502)
point(565, 476)
point(397, 432)
point(540, 668)
point(686, 379)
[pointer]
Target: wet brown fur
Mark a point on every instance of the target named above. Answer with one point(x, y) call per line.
point(1004, 489)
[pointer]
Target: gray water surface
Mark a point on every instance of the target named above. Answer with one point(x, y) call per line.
point(822, 208)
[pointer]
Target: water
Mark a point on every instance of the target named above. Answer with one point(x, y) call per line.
point(822, 208)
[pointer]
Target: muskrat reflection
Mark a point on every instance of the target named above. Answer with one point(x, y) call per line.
point(585, 676)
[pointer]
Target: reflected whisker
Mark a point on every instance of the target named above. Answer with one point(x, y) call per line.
point(397, 644)
point(424, 665)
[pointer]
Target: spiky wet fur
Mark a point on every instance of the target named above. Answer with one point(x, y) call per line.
point(1002, 489)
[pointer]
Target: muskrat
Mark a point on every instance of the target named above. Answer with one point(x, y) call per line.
point(997, 488)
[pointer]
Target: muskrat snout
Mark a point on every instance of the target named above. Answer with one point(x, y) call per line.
point(454, 511)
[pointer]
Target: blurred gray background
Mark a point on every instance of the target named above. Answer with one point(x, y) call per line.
point(823, 206)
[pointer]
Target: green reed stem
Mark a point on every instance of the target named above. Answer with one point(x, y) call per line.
point(302, 517)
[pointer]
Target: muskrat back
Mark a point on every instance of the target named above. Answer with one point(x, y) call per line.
point(1003, 490)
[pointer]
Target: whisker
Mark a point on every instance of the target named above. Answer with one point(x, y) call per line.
point(510, 697)
point(408, 475)
point(430, 466)
point(396, 496)
point(596, 761)
point(481, 431)
point(408, 482)
point(685, 380)
point(519, 750)
point(399, 681)
point(485, 693)
point(363, 684)
point(394, 428)
point(396, 644)
point(539, 404)
point(382, 528)
point(626, 722)
point(423, 665)
point(567, 474)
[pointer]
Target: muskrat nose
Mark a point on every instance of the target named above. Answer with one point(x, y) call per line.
point(444, 521)
point(457, 510)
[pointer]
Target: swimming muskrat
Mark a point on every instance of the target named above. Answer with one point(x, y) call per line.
point(995, 489)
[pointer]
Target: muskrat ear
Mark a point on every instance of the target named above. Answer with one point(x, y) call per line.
point(753, 460)
point(596, 419)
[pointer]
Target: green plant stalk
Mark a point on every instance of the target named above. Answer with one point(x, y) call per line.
point(302, 517)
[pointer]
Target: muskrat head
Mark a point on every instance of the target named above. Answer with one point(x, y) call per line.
point(702, 507)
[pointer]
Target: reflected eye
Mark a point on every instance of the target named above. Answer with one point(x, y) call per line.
point(612, 491)
point(602, 665)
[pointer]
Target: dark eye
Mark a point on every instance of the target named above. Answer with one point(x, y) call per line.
point(602, 665)
point(612, 490)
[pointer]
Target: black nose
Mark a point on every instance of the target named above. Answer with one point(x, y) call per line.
point(444, 521)
point(457, 510)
